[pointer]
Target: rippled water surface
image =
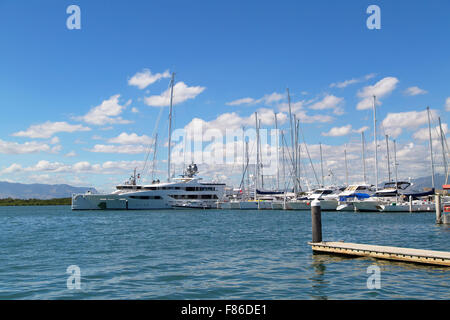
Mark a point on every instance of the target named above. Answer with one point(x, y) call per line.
point(210, 254)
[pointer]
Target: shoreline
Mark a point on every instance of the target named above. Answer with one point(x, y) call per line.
point(10, 202)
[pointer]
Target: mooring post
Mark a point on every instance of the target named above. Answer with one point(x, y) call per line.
point(316, 221)
point(437, 203)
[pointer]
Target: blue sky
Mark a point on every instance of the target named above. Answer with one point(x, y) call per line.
point(228, 51)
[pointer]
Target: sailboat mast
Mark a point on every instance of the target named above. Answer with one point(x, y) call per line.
point(257, 154)
point(283, 159)
point(170, 127)
point(321, 163)
point(154, 155)
point(444, 158)
point(261, 167)
point(375, 144)
point(248, 174)
point(363, 156)
point(395, 168)
point(292, 138)
point(346, 167)
point(297, 157)
point(243, 154)
point(388, 160)
point(278, 153)
point(431, 148)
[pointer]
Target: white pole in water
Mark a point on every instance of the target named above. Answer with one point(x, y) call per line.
point(431, 148)
point(375, 141)
point(170, 127)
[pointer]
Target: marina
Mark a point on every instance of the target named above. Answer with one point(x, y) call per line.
point(218, 156)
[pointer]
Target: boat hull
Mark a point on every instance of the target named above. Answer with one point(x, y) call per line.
point(116, 202)
point(367, 206)
point(298, 205)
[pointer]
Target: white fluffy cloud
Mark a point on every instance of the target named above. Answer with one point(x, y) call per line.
point(145, 78)
point(338, 131)
point(346, 83)
point(181, 93)
point(394, 123)
point(7, 147)
point(107, 112)
point(424, 133)
point(48, 129)
point(232, 121)
point(132, 138)
point(380, 89)
point(329, 102)
point(447, 104)
point(267, 99)
point(414, 91)
point(123, 149)
point(108, 167)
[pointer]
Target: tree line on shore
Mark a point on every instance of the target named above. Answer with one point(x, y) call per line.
point(36, 202)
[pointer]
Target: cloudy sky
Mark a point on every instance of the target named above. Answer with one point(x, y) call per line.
point(82, 106)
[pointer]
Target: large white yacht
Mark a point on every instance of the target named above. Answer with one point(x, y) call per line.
point(184, 192)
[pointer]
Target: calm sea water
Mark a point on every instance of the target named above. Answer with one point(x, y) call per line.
point(210, 255)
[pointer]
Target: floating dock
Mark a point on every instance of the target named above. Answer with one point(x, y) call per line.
point(431, 257)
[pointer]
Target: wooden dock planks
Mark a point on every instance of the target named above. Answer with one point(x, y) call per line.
point(441, 258)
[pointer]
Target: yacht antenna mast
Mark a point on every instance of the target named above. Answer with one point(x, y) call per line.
point(170, 126)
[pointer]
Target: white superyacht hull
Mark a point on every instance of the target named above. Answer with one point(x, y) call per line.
point(183, 193)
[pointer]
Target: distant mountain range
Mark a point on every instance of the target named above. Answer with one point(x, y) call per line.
point(51, 191)
point(39, 191)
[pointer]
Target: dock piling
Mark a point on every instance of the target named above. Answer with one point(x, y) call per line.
point(316, 221)
point(437, 202)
